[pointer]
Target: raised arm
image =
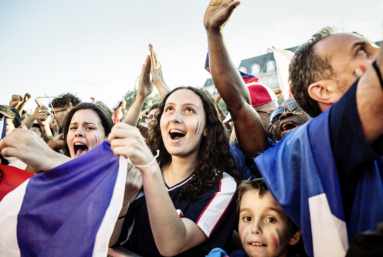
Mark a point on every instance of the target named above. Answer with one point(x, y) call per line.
point(20, 108)
point(156, 71)
point(251, 134)
point(369, 99)
point(31, 119)
point(145, 88)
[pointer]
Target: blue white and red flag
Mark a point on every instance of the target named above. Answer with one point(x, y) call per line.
point(70, 210)
point(246, 77)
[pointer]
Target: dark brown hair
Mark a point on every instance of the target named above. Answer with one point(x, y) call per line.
point(260, 186)
point(214, 155)
point(308, 67)
point(106, 120)
point(66, 99)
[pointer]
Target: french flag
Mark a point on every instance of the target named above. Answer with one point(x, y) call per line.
point(246, 77)
point(70, 210)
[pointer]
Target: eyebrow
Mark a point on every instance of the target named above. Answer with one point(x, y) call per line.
point(274, 209)
point(84, 122)
point(185, 104)
point(244, 209)
point(356, 44)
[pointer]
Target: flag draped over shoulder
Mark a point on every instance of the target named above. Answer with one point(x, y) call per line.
point(301, 174)
point(246, 77)
point(70, 210)
point(11, 178)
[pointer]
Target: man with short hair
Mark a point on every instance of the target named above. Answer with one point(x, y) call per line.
point(62, 105)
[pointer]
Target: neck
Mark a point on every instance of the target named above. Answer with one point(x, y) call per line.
point(180, 168)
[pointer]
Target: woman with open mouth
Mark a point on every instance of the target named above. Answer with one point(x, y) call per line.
point(188, 207)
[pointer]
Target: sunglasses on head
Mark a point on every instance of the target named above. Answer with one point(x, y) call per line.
point(293, 107)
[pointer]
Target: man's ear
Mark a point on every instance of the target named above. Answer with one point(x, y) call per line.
point(324, 92)
point(295, 238)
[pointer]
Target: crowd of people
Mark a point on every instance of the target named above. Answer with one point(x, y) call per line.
point(300, 179)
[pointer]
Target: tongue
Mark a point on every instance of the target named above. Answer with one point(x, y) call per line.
point(81, 151)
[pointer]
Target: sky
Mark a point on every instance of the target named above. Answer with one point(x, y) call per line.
point(95, 48)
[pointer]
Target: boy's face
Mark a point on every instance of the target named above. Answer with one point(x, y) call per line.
point(263, 226)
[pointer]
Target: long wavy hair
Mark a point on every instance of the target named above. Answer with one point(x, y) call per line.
point(106, 120)
point(214, 155)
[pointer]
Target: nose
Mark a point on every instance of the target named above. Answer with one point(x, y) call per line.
point(79, 132)
point(286, 114)
point(256, 228)
point(176, 118)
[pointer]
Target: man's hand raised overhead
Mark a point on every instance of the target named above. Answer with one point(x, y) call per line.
point(218, 13)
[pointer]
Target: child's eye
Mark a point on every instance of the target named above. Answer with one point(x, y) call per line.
point(246, 219)
point(271, 220)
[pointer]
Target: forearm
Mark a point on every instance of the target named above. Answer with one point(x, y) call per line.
point(225, 75)
point(251, 134)
point(162, 88)
point(29, 121)
point(47, 133)
point(169, 231)
point(21, 107)
point(133, 114)
point(118, 227)
point(369, 99)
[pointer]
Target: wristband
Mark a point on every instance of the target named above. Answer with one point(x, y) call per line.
point(378, 73)
point(150, 163)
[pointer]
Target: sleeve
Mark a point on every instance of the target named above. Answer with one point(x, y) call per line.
point(214, 206)
point(247, 172)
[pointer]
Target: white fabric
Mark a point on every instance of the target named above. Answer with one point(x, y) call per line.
point(14, 162)
point(283, 59)
point(329, 234)
point(218, 205)
point(9, 209)
point(105, 231)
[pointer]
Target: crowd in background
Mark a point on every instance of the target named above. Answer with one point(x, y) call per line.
point(303, 178)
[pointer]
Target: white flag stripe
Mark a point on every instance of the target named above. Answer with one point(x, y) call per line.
point(105, 231)
point(329, 234)
point(218, 205)
point(9, 210)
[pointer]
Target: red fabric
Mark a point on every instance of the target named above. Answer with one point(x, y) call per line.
point(259, 95)
point(11, 178)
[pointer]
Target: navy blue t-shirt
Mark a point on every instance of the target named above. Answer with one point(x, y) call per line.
point(214, 211)
point(247, 172)
point(351, 151)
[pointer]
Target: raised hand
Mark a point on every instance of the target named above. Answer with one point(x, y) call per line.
point(157, 76)
point(145, 86)
point(218, 13)
point(27, 96)
point(15, 101)
point(126, 140)
point(43, 116)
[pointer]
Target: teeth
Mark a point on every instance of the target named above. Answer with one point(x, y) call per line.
point(256, 244)
point(176, 131)
point(78, 144)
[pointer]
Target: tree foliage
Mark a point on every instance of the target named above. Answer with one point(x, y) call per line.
point(149, 101)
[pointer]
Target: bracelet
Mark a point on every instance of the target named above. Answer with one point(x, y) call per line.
point(378, 73)
point(122, 217)
point(150, 163)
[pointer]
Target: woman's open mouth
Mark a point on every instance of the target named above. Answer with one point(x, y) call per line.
point(176, 134)
point(79, 149)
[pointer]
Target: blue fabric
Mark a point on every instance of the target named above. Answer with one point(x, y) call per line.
point(217, 252)
point(4, 128)
point(247, 172)
point(302, 165)
point(63, 208)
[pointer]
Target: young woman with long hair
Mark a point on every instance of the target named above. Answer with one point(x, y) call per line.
point(188, 206)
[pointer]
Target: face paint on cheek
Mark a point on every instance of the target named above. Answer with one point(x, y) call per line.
point(244, 239)
point(274, 241)
point(359, 72)
point(279, 236)
point(95, 137)
point(198, 128)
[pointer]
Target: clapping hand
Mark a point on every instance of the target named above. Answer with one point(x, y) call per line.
point(145, 85)
point(218, 13)
point(16, 101)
